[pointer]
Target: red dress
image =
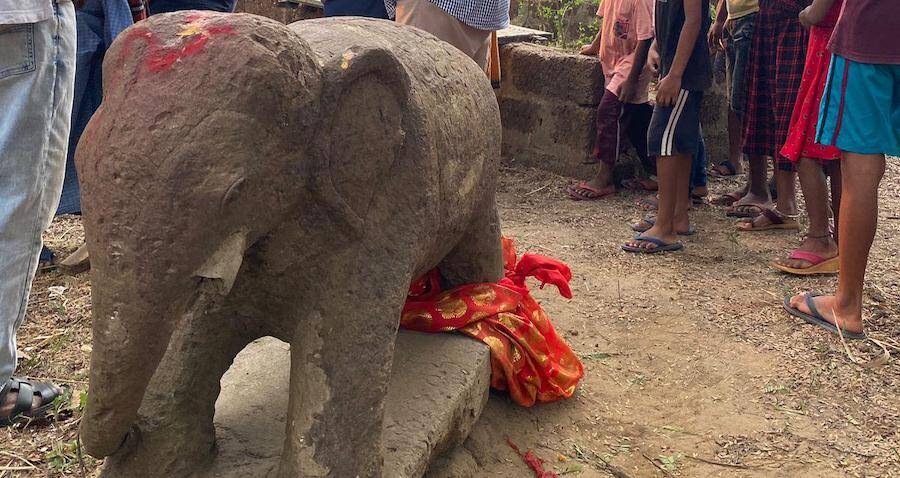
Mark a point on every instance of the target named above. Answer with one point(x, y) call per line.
point(801, 135)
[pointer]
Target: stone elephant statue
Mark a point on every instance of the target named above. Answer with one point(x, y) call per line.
point(246, 179)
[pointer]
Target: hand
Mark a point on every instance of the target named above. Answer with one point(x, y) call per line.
point(591, 49)
point(668, 89)
point(627, 91)
point(811, 15)
point(714, 38)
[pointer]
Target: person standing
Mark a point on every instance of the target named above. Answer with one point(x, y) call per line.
point(37, 77)
point(733, 29)
point(674, 136)
point(818, 254)
point(860, 115)
point(622, 44)
point(777, 60)
point(465, 24)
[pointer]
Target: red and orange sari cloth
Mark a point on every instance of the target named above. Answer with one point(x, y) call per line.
point(528, 358)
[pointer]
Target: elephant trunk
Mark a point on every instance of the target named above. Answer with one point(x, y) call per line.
point(136, 308)
point(130, 339)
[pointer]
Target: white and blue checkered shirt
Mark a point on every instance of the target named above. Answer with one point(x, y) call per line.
point(481, 14)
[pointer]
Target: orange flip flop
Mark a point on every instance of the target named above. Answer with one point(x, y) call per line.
point(820, 265)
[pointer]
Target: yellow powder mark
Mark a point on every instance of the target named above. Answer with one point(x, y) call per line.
point(191, 29)
point(347, 56)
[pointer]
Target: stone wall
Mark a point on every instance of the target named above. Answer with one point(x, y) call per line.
point(548, 100)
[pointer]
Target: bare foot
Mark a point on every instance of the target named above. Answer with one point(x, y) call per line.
point(848, 320)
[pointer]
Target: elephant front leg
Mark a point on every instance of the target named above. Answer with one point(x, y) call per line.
point(177, 436)
point(340, 369)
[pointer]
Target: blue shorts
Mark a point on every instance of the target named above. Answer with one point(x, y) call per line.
point(676, 129)
point(860, 111)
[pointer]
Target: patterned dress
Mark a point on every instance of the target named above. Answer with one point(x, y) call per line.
point(776, 69)
point(801, 137)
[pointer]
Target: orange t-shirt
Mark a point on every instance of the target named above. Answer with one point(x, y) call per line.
point(625, 23)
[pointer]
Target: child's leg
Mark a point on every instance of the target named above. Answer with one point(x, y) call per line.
point(786, 185)
point(607, 145)
point(683, 201)
point(855, 93)
point(756, 191)
point(786, 203)
point(833, 171)
point(861, 176)
point(815, 191)
point(673, 136)
point(673, 177)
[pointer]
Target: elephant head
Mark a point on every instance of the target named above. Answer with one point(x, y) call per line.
point(205, 142)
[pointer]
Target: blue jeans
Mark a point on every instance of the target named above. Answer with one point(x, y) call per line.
point(698, 165)
point(37, 78)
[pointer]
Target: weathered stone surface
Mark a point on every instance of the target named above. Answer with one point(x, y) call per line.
point(714, 118)
point(550, 73)
point(325, 166)
point(437, 391)
point(459, 463)
point(551, 135)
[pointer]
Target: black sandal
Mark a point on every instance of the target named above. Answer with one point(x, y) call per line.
point(25, 392)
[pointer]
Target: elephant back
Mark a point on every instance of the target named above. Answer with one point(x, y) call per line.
point(428, 123)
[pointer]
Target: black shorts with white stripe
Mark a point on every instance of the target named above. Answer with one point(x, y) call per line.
point(676, 129)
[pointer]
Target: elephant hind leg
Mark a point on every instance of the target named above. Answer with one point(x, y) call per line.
point(176, 417)
point(478, 257)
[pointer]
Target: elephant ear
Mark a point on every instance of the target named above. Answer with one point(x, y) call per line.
point(364, 104)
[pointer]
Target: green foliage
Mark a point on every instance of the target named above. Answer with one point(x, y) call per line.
point(670, 462)
point(566, 19)
point(64, 457)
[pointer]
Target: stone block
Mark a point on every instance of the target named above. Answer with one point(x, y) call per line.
point(714, 118)
point(438, 389)
point(551, 135)
point(530, 70)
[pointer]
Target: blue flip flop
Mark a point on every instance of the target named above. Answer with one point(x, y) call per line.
point(816, 318)
point(652, 221)
point(661, 246)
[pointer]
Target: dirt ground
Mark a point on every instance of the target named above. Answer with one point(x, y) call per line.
point(691, 367)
